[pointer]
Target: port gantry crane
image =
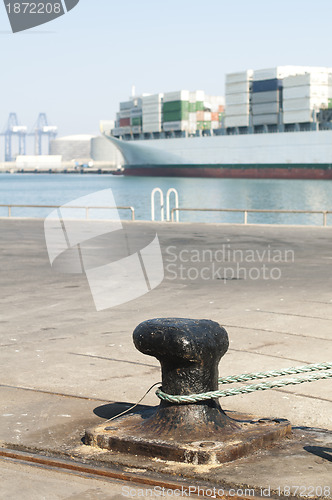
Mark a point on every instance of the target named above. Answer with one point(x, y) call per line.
point(13, 128)
point(41, 129)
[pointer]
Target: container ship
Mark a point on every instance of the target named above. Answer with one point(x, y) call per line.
point(272, 123)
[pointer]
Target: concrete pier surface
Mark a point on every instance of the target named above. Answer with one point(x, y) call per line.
point(269, 286)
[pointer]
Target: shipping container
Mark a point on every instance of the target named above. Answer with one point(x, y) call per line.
point(199, 105)
point(152, 105)
point(136, 129)
point(306, 91)
point(193, 117)
point(237, 121)
point(215, 117)
point(136, 121)
point(157, 105)
point(242, 98)
point(215, 124)
point(124, 130)
point(242, 76)
point(126, 105)
point(312, 78)
point(123, 114)
point(135, 112)
point(236, 88)
point(180, 106)
point(180, 125)
point(305, 103)
point(153, 113)
point(124, 122)
point(265, 119)
point(329, 103)
point(173, 116)
point(151, 122)
point(277, 72)
point(221, 108)
point(237, 109)
point(262, 97)
point(180, 95)
point(151, 127)
point(152, 116)
point(152, 99)
point(265, 108)
point(196, 95)
point(301, 116)
point(266, 85)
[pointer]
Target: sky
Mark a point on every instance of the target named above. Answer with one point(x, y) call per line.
point(78, 67)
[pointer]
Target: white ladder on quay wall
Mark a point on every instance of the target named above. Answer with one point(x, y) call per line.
point(162, 207)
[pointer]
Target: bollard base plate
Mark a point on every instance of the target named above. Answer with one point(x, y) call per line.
point(125, 435)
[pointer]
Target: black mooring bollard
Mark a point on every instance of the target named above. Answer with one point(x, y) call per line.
point(189, 352)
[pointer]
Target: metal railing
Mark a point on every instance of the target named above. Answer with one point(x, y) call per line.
point(253, 210)
point(87, 209)
point(175, 211)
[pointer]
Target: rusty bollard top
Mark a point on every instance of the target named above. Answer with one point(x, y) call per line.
point(189, 351)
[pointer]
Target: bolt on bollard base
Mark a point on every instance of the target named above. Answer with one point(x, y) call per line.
point(199, 433)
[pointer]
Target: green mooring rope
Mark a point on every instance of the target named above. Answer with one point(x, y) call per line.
point(275, 373)
point(194, 398)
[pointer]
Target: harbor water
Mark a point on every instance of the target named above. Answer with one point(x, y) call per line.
point(267, 194)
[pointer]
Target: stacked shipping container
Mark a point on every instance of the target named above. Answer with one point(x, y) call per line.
point(170, 112)
point(304, 95)
point(176, 111)
point(123, 116)
point(238, 88)
point(266, 96)
point(191, 111)
point(152, 113)
point(196, 108)
point(129, 118)
point(136, 120)
point(285, 94)
point(298, 91)
point(217, 106)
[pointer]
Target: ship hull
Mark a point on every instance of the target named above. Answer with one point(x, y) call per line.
point(322, 172)
point(296, 155)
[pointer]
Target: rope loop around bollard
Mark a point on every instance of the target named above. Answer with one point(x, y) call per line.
point(195, 398)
